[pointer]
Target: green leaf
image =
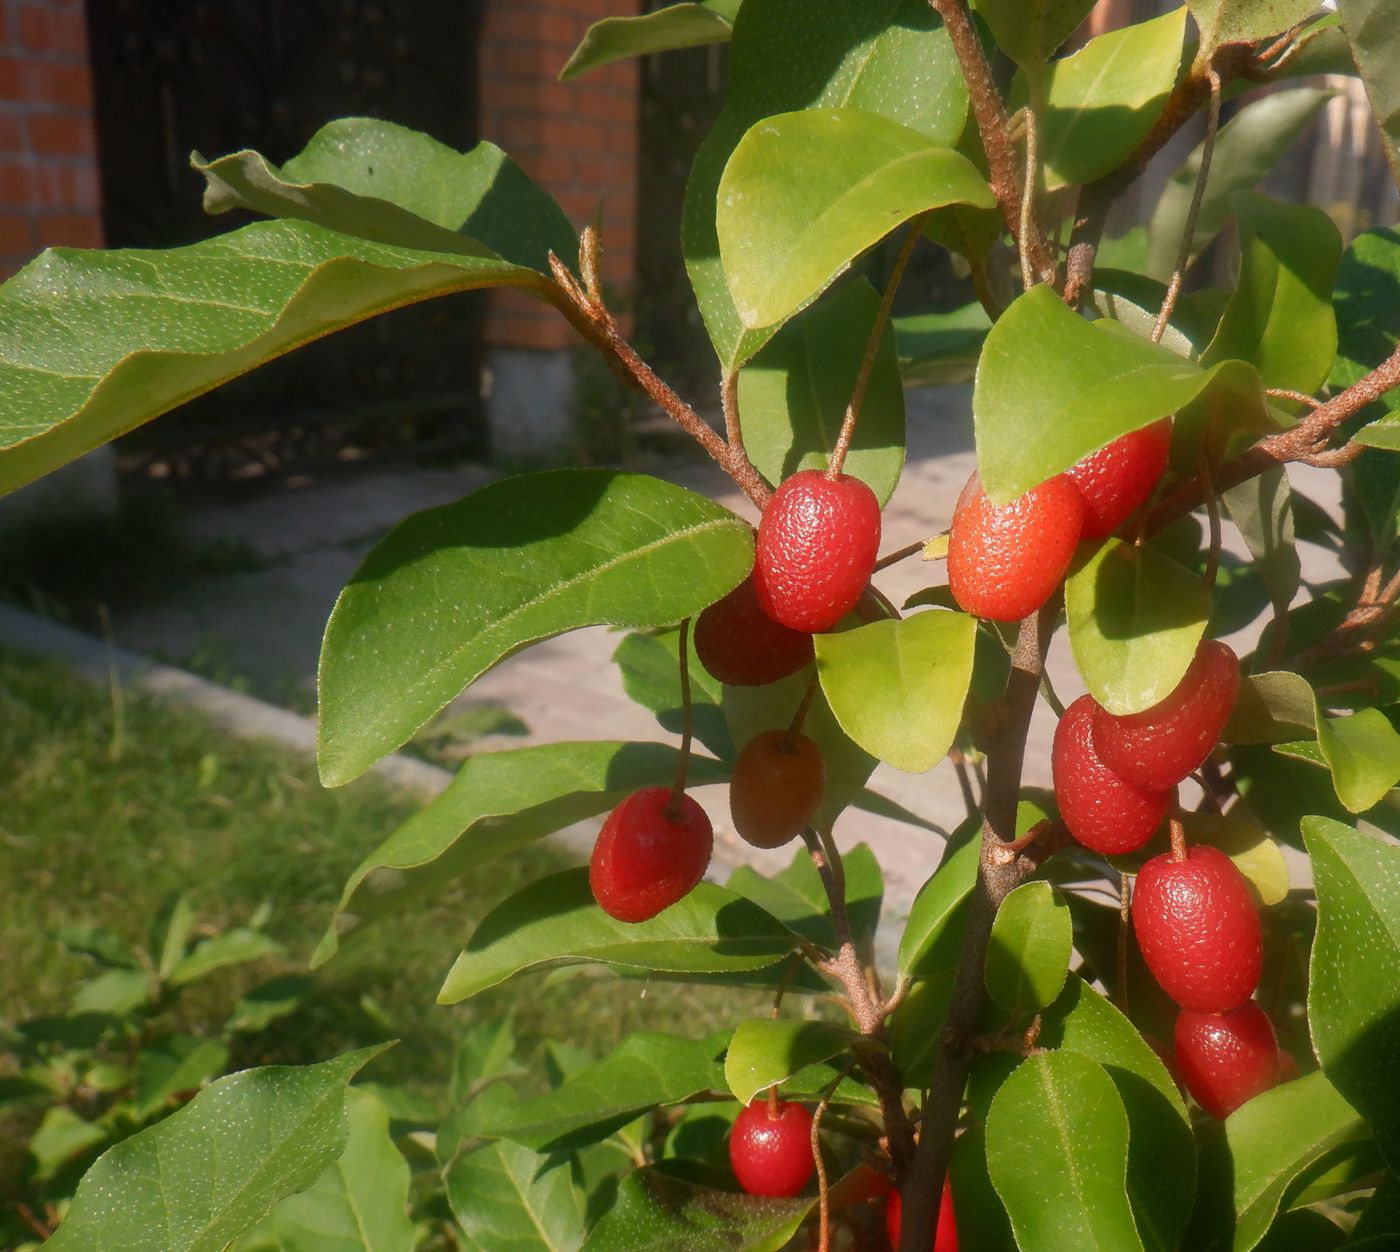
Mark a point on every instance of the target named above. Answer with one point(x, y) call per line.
point(554, 921)
point(1100, 103)
point(93, 344)
point(388, 184)
point(940, 348)
point(1279, 317)
point(1262, 510)
point(793, 395)
point(1266, 1144)
point(360, 1203)
point(897, 687)
point(169, 1066)
point(796, 897)
point(1052, 388)
point(936, 907)
point(1363, 753)
point(239, 946)
point(666, 1214)
point(237, 1148)
point(890, 57)
point(97, 944)
point(1375, 43)
point(1135, 619)
point(1354, 985)
point(1271, 708)
point(1246, 843)
point(1031, 32)
point(805, 193)
point(1244, 21)
point(1029, 950)
point(765, 1052)
point(499, 802)
point(916, 1029)
point(645, 1071)
point(60, 1137)
point(649, 663)
point(1367, 304)
point(1249, 145)
point(170, 934)
point(115, 991)
point(1057, 1147)
point(454, 590)
point(664, 30)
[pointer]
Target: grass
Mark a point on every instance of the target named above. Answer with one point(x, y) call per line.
point(111, 803)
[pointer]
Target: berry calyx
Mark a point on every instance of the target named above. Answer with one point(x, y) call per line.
point(945, 1235)
point(1116, 480)
point(1004, 560)
point(1160, 746)
point(1101, 810)
point(777, 785)
point(1226, 1058)
point(1198, 927)
point(739, 644)
point(770, 1148)
point(817, 545)
point(650, 853)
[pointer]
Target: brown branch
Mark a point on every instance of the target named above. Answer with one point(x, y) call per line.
point(922, 1183)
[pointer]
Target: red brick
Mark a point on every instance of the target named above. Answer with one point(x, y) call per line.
point(14, 135)
point(17, 235)
point(12, 78)
point(64, 186)
point(70, 230)
point(11, 265)
point(16, 183)
point(56, 84)
point(62, 134)
point(45, 28)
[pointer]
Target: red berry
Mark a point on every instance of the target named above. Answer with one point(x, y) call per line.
point(647, 858)
point(776, 787)
point(945, 1235)
point(1102, 811)
point(1119, 477)
point(1158, 747)
point(1226, 1058)
point(739, 644)
point(1198, 928)
point(817, 544)
point(771, 1149)
point(1004, 560)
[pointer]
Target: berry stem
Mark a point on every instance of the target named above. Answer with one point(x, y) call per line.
point(774, 1104)
point(901, 554)
point(872, 346)
point(1125, 900)
point(964, 780)
point(823, 1195)
point(1178, 839)
point(673, 808)
point(795, 726)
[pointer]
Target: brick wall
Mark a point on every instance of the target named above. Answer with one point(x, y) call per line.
point(578, 139)
point(48, 151)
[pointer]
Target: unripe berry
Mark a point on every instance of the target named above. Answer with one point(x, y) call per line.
point(817, 545)
point(945, 1234)
point(1226, 1058)
point(1116, 480)
point(776, 787)
point(1198, 928)
point(648, 857)
point(1004, 560)
point(1102, 811)
point(771, 1149)
point(739, 644)
point(1160, 746)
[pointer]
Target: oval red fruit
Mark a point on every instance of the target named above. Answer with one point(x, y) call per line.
point(1160, 746)
point(776, 786)
point(739, 644)
point(647, 857)
point(817, 545)
point(945, 1234)
point(1103, 812)
point(1226, 1058)
point(1004, 560)
point(1198, 927)
point(771, 1149)
point(1116, 480)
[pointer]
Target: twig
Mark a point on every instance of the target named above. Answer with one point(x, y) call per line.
point(1028, 198)
point(673, 807)
point(823, 1196)
point(872, 348)
point(1188, 235)
point(1283, 393)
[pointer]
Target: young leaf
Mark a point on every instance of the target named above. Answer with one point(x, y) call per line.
point(936, 907)
point(897, 687)
point(793, 395)
point(1246, 843)
point(1029, 949)
point(1272, 707)
point(664, 30)
point(657, 1211)
point(1367, 303)
point(1375, 43)
point(554, 921)
point(1135, 619)
point(93, 344)
point(240, 1145)
point(1029, 33)
point(890, 57)
point(454, 590)
point(1354, 984)
point(1243, 21)
point(239, 946)
point(1052, 388)
point(1363, 753)
point(1266, 1144)
point(499, 801)
point(1057, 1147)
point(805, 193)
point(765, 1052)
point(360, 1202)
point(796, 897)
